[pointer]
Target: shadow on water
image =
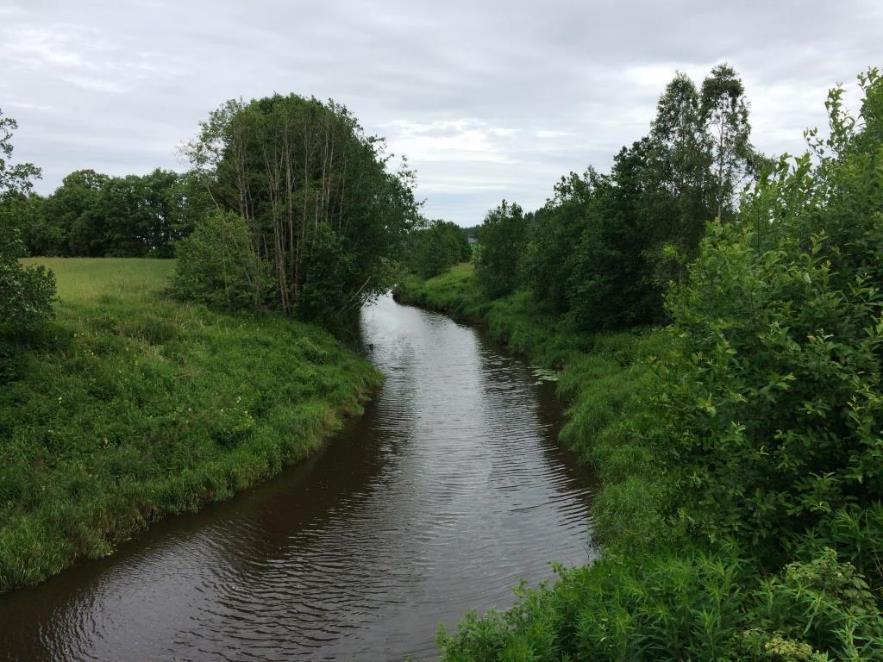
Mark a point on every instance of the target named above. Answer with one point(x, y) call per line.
point(447, 492)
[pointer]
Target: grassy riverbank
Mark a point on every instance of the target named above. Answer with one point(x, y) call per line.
point(664, 589)
point(601, 378)
point(131, 406)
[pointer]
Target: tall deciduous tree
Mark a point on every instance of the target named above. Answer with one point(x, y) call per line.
point(321, 207)
point(725, 114)
point(13, 177)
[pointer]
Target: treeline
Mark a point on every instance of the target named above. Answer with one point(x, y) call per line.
point(288, 206)
point(605, 246)
point(740, 446)
point(96, 215)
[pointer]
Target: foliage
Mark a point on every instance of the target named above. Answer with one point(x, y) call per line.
point(502, 240)
point(25, 292)
point(669, 607)
point(435, 248)
point(604, 249)
point(324, 215)
point(776, 399)
point(132, 406)
point(13, 177)
point(725, 113)
point(216, 265)
point(739, 450)
point(93, 215)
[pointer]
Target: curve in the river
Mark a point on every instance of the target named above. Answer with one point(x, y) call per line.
point(442, 497)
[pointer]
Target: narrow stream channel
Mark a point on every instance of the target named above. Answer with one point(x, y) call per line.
point(447, 492)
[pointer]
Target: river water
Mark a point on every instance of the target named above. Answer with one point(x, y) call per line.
point(447, 492)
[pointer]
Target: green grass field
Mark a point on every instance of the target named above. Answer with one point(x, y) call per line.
point(132, 406)
point(82, 279)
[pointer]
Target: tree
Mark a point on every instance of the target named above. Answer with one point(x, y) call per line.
point(322, 210)
point(776, 396)
point(725, 114)
point(556, 231)
point(25, 292)
point(611, 284)
point(18, 177)
point(436, 247)
point(75, 209)
point(680, 163)
point(502, 242)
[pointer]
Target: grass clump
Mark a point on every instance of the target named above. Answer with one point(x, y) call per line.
point(130, 407)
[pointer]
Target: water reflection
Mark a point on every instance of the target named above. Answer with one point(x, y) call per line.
point(447, 492)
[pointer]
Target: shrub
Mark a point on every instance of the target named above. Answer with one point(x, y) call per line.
point(776, 400)
point(217, 266)
point(25, 292)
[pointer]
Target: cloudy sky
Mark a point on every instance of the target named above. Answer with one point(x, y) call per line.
point(488, 100)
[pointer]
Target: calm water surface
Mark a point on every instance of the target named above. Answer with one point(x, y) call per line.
point(442, 497)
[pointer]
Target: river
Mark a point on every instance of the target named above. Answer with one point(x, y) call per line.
point(448, 491)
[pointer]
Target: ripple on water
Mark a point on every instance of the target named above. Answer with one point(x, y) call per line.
point(442, 497)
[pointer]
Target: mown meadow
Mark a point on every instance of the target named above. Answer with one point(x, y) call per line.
point(130, 406)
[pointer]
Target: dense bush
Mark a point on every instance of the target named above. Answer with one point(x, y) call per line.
point(25, 292)
point(435, 248)
point(739, 449)
point(666, 607)
point(776, 398)
point(216, 265)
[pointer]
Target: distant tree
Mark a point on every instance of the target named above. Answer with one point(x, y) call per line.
point(503, 239)
point(13, 178)
point(555, 233)
point(75, 208)
point(92, 214)
point(436, 247)
point(725, 114)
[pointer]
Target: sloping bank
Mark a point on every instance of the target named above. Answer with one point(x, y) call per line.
point(132, 407)
point(660, 591)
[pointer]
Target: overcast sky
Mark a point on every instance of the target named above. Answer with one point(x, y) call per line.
point(488, 100)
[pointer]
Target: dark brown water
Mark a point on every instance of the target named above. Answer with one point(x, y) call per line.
point(441, 498)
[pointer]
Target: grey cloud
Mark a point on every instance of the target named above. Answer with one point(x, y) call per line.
point(488, 99)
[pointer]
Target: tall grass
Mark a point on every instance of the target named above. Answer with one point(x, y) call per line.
point(131, 407)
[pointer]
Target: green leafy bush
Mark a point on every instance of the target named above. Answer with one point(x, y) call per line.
point(216, 264)
point(775, 400)
point(666, 607)
point(25, 292)
point(435, 248)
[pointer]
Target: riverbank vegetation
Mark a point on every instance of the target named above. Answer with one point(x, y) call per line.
point(314, 218)
point(150, 387)
point(131, 406)
point(724, 378)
